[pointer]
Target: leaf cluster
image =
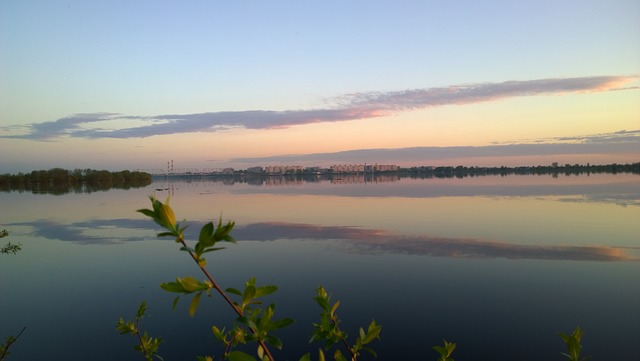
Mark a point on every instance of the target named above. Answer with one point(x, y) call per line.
point(147, 345)
point(8, 341)
point(163, 215)
point(328, 330)
point(9, 247)
point(445, 351)
point(259, 321)
point(188, 285)
point(574, 347)
point(209, 236)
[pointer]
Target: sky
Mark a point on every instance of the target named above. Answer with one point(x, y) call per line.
point(213, 84)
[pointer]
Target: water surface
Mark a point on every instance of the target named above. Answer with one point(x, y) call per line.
point(496, 264)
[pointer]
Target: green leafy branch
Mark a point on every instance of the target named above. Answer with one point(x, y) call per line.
point(8, 341)
point(574, 347)
point(147, 345)
point(9, 247)
point(258, 322)
point(328, 330)
point(445, 351)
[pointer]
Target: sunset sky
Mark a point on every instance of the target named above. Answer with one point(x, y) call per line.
point(211, 84)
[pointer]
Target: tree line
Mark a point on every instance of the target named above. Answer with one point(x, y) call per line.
point(553, 169)
point(60, 181)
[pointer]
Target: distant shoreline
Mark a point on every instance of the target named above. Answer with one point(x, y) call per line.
point(420, 171)
point(61, 181)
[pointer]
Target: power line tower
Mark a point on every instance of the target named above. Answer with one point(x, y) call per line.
point(170, 167)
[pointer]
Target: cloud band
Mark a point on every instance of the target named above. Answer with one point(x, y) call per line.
point(348, 107)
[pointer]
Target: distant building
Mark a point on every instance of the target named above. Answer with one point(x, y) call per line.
point(255, 170)
point(347, 168)
point(283, 169)
point(362, 168)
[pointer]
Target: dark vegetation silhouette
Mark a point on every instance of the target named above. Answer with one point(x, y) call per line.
point(62, 181)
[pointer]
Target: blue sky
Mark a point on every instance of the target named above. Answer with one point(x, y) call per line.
point(209, 84)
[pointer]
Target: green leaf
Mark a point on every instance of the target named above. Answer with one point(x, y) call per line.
point(125, 327)
point(194, 304)
point(142, 309)
point(265, 290)
point(372, 352)
point(240, 356)
point(373, 332)
point(322, 299)
point(175, 302)
point(212, 249)
point(274, 341)
point(173, 287)
point(234, 291)
point(147, 212)
point(186, 285)
point(206, 233)
point(338, 356)
point(222, 233)
point(191, 284)
point(249, 294)
point(281, 323)
point(446, 351)
point(166, 234)
point(166, 214)
point(229, 239)
point(260, 352)
point(335, 307)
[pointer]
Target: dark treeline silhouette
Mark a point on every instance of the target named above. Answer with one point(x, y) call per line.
point(61, 181)
point(554, 169)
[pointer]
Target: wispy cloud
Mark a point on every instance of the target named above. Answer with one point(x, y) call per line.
point(345, 108)
point(465, 94)
point(622, 142)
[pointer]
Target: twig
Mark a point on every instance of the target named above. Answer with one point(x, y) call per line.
point(344, 341)
point(10, 341)
point(144, 349)
point(224, 295)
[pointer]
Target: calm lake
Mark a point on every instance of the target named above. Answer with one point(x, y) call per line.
point(498, 265)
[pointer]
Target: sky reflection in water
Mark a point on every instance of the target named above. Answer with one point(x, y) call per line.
point(480, 261)
point(357, 240)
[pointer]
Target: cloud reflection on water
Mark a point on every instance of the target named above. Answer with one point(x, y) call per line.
point(353, 240)
point(379, 242)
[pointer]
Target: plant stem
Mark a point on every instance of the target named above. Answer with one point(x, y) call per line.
point(224, 295)
point(344, 341)
point(144, 349)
